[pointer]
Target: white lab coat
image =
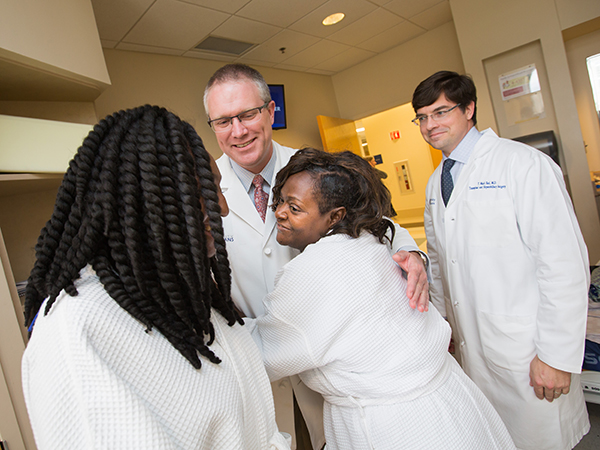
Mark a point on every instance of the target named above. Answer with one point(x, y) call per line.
point(510, 271)
point(253, 278)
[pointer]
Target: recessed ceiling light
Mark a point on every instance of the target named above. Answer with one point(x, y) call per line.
point(333, 19)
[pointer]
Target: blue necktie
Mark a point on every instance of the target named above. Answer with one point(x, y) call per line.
point(447, 183)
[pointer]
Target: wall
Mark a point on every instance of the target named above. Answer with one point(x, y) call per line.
point(578, 50)
point(488, 28)
point(388, 80)
point(178, 84)
point(411, 147)
point(41, 34)
point(575, 12)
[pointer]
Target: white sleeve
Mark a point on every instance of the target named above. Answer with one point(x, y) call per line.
point(550, 230)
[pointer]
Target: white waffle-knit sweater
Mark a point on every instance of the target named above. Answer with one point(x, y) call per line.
point(93, 379)
point(339, 317)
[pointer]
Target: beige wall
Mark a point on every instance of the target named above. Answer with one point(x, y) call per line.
point(388, 80)
point(486, 29)
point(59, 36)
point(575, 12)
point(410, 147)
point(578, 50)
point(178, 84)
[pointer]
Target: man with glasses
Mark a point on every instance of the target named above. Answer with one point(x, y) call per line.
point(240, 112)
point(510, 267)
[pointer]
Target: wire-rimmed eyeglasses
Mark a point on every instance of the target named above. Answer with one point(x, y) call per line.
point(436, 116)
point(249, 116)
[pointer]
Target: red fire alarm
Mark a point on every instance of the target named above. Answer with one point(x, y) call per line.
point(395, 135)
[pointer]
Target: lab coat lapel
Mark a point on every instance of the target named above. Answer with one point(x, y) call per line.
point(238, 200)
point(481, 148)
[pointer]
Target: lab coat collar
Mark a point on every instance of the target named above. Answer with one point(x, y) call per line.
point(238, 200)
point(488, 142)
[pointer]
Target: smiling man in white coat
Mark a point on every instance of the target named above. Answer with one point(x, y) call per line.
point(241, 113)
point(510, 268)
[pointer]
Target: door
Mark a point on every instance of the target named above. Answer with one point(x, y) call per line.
point(338, 135)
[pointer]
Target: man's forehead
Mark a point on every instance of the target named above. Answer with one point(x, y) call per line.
point(441, 103)
point(233, 92)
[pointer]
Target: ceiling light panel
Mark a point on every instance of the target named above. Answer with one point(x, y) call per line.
point(312, 23)
point(224, 45)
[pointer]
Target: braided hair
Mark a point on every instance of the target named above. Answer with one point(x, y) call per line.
point(343, 180)
point(130, 206)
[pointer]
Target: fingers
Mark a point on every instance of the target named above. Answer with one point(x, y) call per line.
point(539, 392)
point(549, 394)
point(418, 290)
point(423, 303)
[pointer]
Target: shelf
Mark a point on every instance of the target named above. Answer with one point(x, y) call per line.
point(25, 183)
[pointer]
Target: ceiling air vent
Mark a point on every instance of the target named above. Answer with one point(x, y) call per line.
point(222, 45)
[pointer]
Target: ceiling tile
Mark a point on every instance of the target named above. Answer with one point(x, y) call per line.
point(148, 49)
point(174, 27)
point(208, 55)
point(312, 23)
point(320, 72)
point(434, 16)
point(108, 44)
point(366, 27)
point(174, 24)
point(254, 62)
point(292, 41)
point(115, 18)
point(316, 54)
point(285, 66)
point(228, 6)
point(410, 8)
point(280, 13)
point(245, 30)
point(392, 37)
point(346, 59)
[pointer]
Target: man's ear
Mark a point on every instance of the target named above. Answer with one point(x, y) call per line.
point(336, 215)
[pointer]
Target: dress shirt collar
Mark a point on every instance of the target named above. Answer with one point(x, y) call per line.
point(246, 177)
point(463, 150)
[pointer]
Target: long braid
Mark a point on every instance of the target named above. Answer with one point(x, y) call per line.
point(219, 263)
point(129, 205)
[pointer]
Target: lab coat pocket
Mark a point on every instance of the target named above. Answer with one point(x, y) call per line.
point(508, 341)
point(490, 223)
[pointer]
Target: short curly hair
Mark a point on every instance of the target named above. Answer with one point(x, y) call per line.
point(343, 180)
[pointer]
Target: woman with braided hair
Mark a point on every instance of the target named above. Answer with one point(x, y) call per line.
point(339, 318)
point(135, 342)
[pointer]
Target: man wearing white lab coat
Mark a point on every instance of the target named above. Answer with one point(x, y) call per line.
point(510, 268)
point(241, 112)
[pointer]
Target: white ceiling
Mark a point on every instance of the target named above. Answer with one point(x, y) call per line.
point(175, 27)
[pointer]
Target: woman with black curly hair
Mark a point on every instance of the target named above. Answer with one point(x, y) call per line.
point(340, 319)
point(135, 342)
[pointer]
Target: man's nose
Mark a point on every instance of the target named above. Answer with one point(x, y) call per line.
point(237, 127)
point(430, 123)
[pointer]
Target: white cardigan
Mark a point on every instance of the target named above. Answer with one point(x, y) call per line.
point(93, 378)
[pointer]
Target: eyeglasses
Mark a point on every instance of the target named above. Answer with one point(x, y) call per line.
point(249, 116)
point(436, 116)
